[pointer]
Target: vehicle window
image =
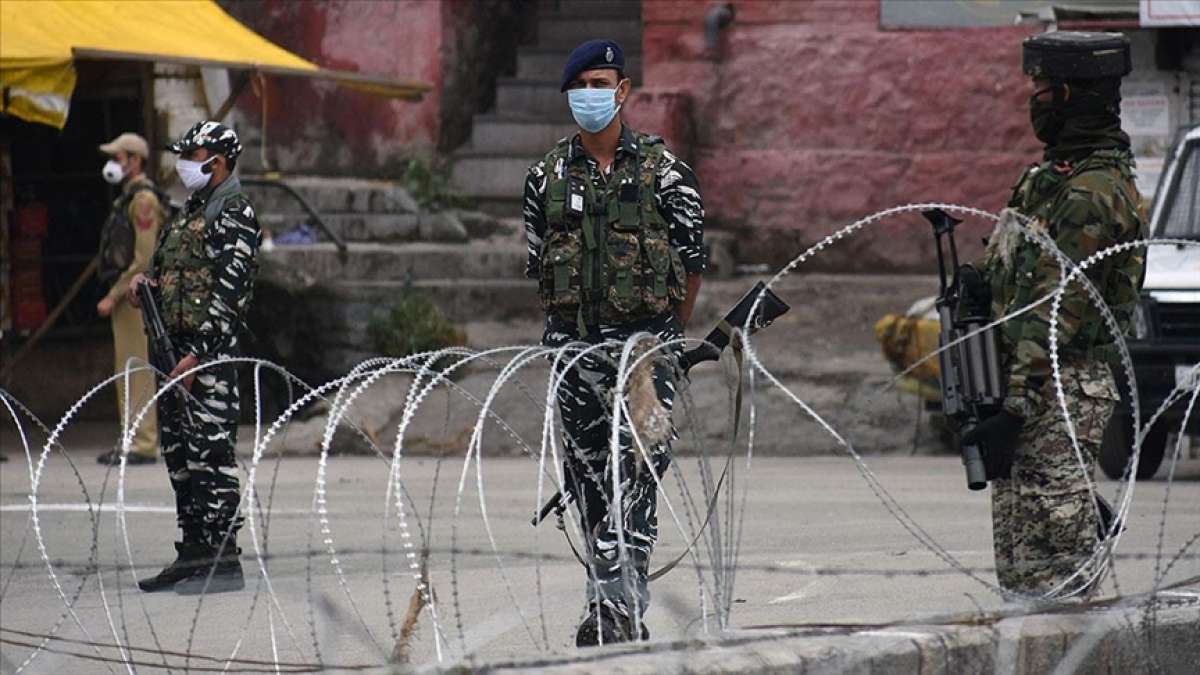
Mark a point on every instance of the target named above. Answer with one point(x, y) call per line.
point(1181, 216)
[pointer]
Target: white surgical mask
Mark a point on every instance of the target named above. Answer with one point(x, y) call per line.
point(192, 173)
point(593, 109)
point(113, 172)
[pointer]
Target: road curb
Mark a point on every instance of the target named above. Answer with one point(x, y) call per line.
point(1110, 641)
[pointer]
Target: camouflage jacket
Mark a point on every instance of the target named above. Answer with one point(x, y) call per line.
point(1084, 207)
point(205, 266)
point(612, 248)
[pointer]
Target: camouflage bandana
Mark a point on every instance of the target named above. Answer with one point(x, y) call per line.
point(215, 136)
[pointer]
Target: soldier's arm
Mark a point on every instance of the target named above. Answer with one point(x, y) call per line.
point(1084, 223)
point(680, 205)
point(146, 215)
point(534, 211)
point(234, 237)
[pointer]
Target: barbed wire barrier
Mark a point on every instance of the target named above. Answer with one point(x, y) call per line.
point(426, 604)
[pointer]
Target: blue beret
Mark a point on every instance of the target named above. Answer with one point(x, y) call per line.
point(591, 55)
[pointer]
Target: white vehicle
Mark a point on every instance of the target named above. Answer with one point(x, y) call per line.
point(1166, 344)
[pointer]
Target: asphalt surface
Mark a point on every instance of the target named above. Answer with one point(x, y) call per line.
point(817, 545)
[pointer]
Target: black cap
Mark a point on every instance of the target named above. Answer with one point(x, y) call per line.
point(215, 136)
point(1070, 55)
point(591, 55)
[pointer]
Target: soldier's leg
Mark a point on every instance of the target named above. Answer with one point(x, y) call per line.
point(175, 434)
point(585, 435)
point(129, 341)
point(639, 507)
point(211, 460)
point(1055, 524)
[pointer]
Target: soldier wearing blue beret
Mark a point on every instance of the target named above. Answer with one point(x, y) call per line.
point(615, 227)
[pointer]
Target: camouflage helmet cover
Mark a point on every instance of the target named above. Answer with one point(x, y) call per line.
point(1070, 55)
point(215, 136)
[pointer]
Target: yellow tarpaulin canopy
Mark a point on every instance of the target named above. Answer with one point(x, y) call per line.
point(40, 40)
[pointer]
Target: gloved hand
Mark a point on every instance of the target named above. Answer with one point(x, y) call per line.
point(997, 437)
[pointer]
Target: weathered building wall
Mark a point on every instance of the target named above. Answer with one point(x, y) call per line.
point(457, 46)
point(810, 116)
point(320, 127)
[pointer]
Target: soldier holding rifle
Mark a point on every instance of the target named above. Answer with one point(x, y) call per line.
point(202, 275)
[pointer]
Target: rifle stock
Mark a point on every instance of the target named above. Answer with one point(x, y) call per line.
point(972, 388)
point(162, 352)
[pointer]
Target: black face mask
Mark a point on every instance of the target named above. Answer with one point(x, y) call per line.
point(1047, 117)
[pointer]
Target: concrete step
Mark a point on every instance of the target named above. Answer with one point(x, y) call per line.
point(583, 9)
point(519, 136)
point(567, 31)
point(500, 207)
point(421, 261)
point(373, 227)
point(490, 176)
point(535, 99)
point(537, 63)
point(353, 302)
point(333, 195)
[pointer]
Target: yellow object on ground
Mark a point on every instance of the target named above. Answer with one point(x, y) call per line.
point(40, 40)
point(906, 340)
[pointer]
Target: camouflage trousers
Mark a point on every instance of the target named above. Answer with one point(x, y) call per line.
point(1045, 526)
point(617, 580)
point(198, 448)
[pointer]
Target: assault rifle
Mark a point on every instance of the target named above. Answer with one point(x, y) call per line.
point(972, 385)
point(162, 352)
point(770, 308)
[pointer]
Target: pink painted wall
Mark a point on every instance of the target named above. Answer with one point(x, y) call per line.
point(814, 117)
point(315, 126)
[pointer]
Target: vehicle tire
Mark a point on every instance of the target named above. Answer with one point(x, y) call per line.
point(1118, 442)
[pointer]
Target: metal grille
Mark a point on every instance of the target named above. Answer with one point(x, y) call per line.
point(1179, 321)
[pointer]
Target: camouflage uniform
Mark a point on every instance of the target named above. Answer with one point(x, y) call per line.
point(1044, 521)
point(205, 266)
point(650, 192)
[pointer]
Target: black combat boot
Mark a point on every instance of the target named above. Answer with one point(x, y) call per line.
point(605, 622)
point(225, 576)
point(190, 557)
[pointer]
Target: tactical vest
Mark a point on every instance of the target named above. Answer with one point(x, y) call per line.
point(117, 238)
point(185, 274)
point(606, 255)
point(1118, 277)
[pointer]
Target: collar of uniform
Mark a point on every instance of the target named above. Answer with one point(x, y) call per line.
point(210, 198)
point(137, 180)
point(626, 144)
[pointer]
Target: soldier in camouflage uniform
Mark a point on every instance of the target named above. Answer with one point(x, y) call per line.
point(614, 223)
point(1046, 525)
point(204, 268)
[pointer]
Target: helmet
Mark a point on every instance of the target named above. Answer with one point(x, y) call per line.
point(215, 136)
point(1069, 55)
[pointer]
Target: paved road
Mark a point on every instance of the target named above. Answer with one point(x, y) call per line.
point(817, 546)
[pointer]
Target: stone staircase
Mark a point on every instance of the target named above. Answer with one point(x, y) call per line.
point(530, 113)
point(469, 263)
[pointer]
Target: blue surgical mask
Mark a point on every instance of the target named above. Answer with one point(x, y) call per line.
point(593, 109)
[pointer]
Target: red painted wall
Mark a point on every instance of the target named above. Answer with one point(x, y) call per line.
point(813, 117)
point(320, 127)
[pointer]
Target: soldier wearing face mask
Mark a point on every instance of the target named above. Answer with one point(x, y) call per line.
point(614, 223)
point(1048, 529)
point(203, 271)
point(126, 244)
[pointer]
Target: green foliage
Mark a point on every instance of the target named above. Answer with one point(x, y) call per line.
point(429, 184)
point(410, 326)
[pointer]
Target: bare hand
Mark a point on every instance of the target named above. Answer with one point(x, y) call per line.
point(105, 306)
point(131, 292)
point(185, 364)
